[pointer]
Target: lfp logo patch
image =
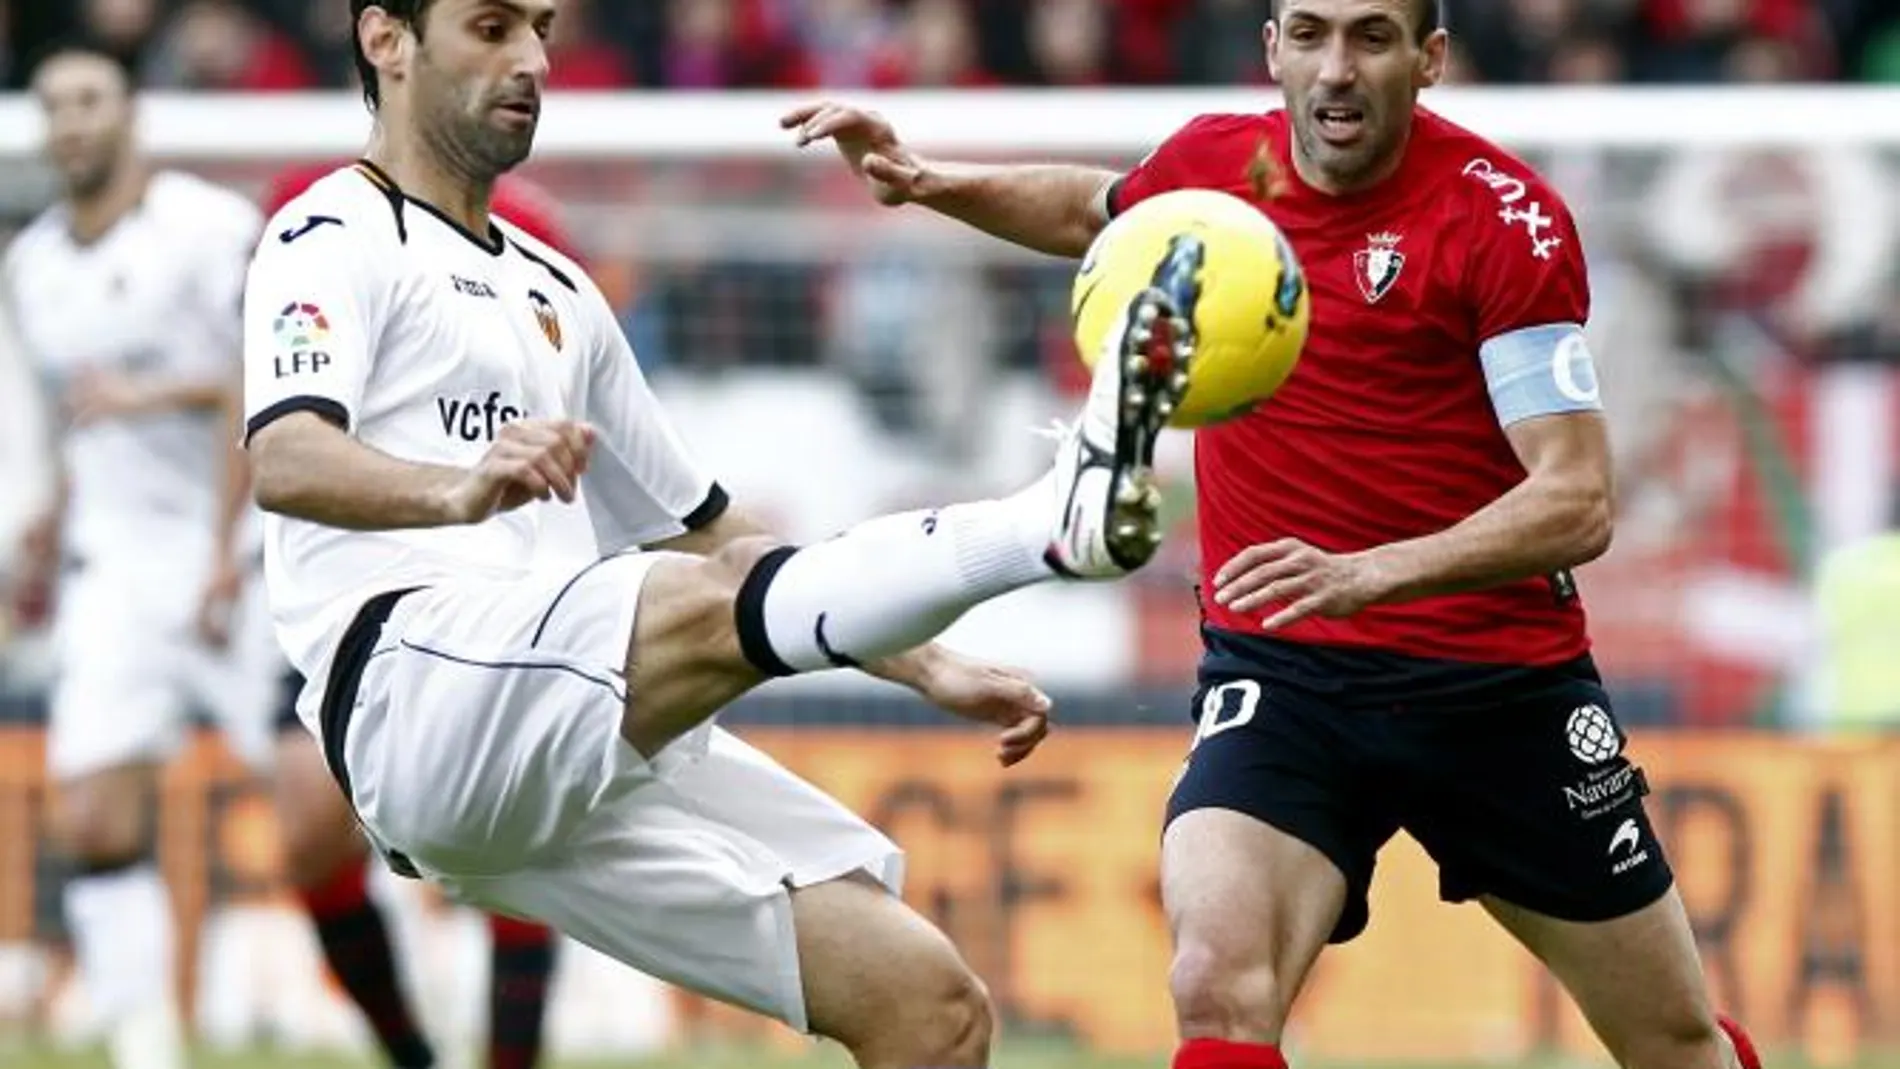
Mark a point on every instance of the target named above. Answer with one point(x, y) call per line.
point(302, 332)
point(301, 326)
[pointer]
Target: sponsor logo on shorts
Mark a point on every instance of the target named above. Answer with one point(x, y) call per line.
point(1604, 791)
point(1628, 839)
point(1592, 735)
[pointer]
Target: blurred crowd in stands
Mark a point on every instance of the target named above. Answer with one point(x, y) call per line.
point(263, 45)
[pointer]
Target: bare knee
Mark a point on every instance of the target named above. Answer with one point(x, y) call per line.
point(103, 818)
point(1250, 908)
point(956, 1022)
point(1684, 1040)
point(882, 981)
point(941, 1016)
point(1221, 994)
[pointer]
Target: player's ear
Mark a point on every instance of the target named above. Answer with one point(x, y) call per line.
point(1270, 39)
point(1432, 57)
point(384, 39)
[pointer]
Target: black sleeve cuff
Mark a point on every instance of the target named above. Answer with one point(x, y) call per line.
point(1112, 199)
point(329, 410)
point(712, 508)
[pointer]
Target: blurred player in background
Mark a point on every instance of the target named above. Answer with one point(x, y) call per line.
point(326, 858)
point(26, 457)
point(1393, 638)
point(416, 372)
point(126, 297)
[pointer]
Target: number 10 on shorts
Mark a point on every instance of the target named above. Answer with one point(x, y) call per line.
point(1227, 706)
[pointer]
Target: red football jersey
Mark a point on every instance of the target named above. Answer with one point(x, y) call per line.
point(1386, 431)
point(515, 199)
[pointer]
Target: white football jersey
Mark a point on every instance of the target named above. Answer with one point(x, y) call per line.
point(159, 295)
point(378, 313)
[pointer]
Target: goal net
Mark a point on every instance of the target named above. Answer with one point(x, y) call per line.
point(833, 360)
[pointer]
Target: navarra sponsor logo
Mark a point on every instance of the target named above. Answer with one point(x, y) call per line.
point(1605, 791)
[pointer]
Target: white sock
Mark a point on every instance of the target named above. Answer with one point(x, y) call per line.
point(892, 583)
point(122, 932)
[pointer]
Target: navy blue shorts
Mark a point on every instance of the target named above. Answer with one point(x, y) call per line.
point(1512, 778)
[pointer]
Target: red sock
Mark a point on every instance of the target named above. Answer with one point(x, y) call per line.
point(356, 944)
point(346, 890)
point(1225, 1054)
point(1744, 1046)
point(521, 964)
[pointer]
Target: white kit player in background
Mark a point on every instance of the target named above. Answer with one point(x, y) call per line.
point(125, 296)
point(542, 745)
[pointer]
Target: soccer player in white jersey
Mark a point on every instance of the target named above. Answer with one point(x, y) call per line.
point(125, 295)
point(541, 744)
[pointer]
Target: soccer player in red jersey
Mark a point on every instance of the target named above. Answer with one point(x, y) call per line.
point(326, 858)
point(1393, 640)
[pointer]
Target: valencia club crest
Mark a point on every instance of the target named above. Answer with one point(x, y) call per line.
point(1377, 266)
point(549, 319)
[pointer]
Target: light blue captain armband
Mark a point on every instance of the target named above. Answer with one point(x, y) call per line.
point(1540, 371)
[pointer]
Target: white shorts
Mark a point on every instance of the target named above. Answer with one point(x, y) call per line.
point(132, 669)
point(485, 747)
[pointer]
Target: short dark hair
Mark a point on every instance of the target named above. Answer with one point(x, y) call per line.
point(409, 11)
point(62, 47)
point(1429, 16)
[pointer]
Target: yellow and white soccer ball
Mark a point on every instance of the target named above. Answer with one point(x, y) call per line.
point(1252, 311)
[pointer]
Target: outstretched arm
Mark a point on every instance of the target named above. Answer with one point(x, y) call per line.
point(1053, 208)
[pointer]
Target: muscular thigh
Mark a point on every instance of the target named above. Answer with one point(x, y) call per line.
point(1292, 765)
point(1528, 796)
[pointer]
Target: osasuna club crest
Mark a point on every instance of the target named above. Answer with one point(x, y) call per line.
point(1377, 266)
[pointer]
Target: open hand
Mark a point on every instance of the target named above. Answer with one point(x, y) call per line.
point(991, 694)
point(868, 144)
point(1302, 580)
point(531, 460)
point(216, 602)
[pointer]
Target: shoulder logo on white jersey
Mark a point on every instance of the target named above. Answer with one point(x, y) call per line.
point(302, 331)
point(1376, 267)
point(1517, 206)
point(549, 318)
point(313, 222)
